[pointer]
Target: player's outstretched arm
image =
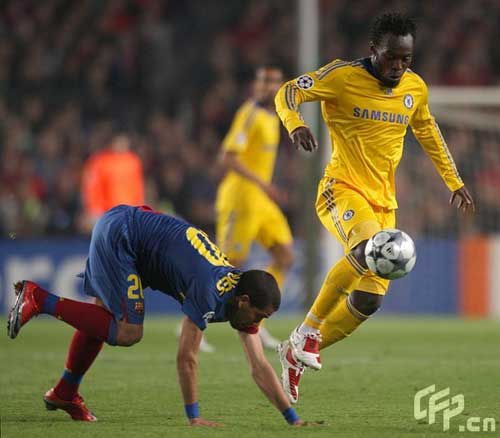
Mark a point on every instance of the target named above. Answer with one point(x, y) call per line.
point(187, 369)
point(429, 135)
point(265, 377)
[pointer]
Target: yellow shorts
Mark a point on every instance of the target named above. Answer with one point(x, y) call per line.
point(351, 219)
point(252, 218)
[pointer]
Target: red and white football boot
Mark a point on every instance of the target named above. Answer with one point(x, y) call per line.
point(291, 371)
point(75, 408)
point(305, 348)
point(24, 308)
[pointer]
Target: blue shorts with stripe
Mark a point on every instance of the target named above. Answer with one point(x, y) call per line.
point(110, 273)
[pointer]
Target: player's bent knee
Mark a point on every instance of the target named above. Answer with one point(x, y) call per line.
point(365, 302)
point(128, 334)
point(359, 253)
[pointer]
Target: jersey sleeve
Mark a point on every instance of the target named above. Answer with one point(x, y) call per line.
point(320, 85)
point(237, 138)
point(200, 307)
point(191, 309)
point(429, 135)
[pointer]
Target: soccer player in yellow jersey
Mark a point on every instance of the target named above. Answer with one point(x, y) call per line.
point(367, 105)
point(246, 204)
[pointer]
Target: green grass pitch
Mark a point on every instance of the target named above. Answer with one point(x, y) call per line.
point(365, 389)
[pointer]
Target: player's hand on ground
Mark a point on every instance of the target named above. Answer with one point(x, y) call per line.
point(303, 138)
point(202, 422)
point(301, 423)
point(465, 201)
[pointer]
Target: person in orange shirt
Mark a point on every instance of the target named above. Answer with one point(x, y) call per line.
point(110, 177)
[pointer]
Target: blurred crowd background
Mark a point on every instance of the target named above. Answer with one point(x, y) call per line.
point(171, 75)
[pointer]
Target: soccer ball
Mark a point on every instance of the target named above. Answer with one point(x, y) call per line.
point(390, 254)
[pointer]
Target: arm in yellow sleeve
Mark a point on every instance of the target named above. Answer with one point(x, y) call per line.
point(320, 85)
point(239, 133)
point(427, 131)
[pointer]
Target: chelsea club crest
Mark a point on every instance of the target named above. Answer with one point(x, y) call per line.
point(348, 215)
point(408, 101)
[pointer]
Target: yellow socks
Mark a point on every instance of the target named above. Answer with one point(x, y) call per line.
point(341, 322)
point(342, 279)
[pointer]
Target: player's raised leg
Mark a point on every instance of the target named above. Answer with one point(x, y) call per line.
point(349, 217)
point(356, 307)
point(305, 339)
point(95, 325)
point(344, 276)
point(32, 301)
point(351, 311)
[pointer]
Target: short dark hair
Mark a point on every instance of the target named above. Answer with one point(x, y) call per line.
point(393, 23)
point(261, 288)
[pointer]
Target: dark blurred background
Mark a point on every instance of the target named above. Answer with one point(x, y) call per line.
point(172, 75)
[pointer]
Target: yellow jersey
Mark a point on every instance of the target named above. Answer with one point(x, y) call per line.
point(367, 122)
point(254, 137)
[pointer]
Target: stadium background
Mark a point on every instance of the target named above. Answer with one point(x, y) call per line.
point(173, 74)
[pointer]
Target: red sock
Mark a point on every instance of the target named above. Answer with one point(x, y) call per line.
point(92, 319)
point(82, 352)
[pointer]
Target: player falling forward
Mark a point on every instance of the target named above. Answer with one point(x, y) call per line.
point(367, 105)
point(246, 205)
point(135, 247)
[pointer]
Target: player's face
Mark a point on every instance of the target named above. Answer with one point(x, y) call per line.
point(243, 314)
point(392, 57)
point(267, 83)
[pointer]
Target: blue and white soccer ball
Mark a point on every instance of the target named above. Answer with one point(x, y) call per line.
point(390, 254)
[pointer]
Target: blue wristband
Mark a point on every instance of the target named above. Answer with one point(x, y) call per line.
point(192, 410)
point(290, 415)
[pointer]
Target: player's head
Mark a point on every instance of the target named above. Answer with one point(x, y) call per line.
point(391, 42)
point(268, 80)
point(257, 297)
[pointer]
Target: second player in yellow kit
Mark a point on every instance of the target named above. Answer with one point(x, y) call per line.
point(367, 105)
point(245, 212)
point(246, 205)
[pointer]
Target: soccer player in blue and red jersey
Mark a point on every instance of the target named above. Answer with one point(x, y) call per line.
point(135, 247)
